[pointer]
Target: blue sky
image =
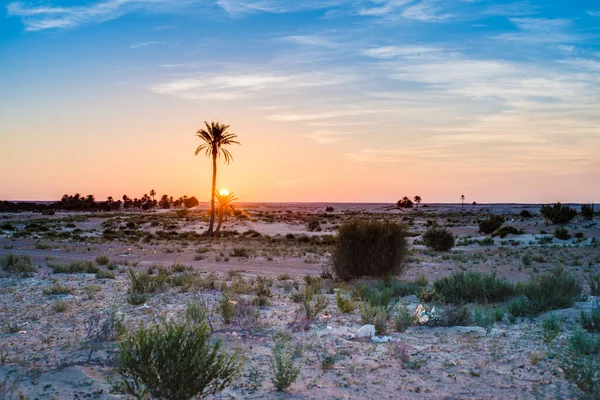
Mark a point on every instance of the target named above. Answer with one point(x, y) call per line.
point(364, 100)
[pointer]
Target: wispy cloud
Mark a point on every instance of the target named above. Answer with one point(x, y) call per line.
point(145, 44)
point(240, 7)
point(541, 31)
point(324, 136)
point(427, 11)
point(517, 9)
point(594, 13)
point(36, 18)
point(396, 51)
point(310, 40)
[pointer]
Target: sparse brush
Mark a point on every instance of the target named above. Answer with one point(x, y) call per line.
point(105, 275)
point(135, 299)
point(587, 211)
point(227, 309)
point(555, 290)
point(438, 239)
point(594, 282)
point(102, 260)
point(143, 282)
point(374, 315)
point(345, 305)
point(562, 233)
point(240, 252)
point(507, 230)
point(283, 365)
point(366, 248)
point(175, 361)
point(490, 225)
point(60, 306)
point(403, 318)
point(75, 267)
point(17, 264)
point(550, 328)
point(558, 213)
point(591, 321)
point(58, 289)
point(451, 315)
point(465, 287)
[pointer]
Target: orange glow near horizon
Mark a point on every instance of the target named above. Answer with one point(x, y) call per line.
point(224, 192)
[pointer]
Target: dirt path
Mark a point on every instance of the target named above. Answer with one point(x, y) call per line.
point(291, 266)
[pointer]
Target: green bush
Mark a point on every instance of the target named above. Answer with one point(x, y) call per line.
point(313, 225)
point(555, 290)
point(365, 248)
point(374, 315)
point(507, 230)
point(550, 328)
point(16, 264)
point(491, 224)
point(403, 318)
point(345, 305)
point(562, 233)
point(57, 289)
point(464, 287)
point(102, 260)
point(594, 282)
point(450, 316)
point(135, 299)
point(144, 283)
point(240, 252)
point(439, 239)
point(75, 267)
point(283, 366)
point(591, 321)
point(587, 211)
point(558, 213)
point(175, 361)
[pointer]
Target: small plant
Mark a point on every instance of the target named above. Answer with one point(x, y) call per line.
point(403, 318)
point(285, 371)
point(103, 327)
point(240, 252)
point(175, 361)
point(102, 274)
point(143, 283)
point(374, 315)
point(60, 306)
point(75, 267)
point(490, 225)
point(102, 260)
point(135, 299)
point(57, 289)
point(345, 305)
point(594, 282)
point(591, 321)
point(587, 211)
point(227, 309)
point(313, 225)
point(365, 248)
point(450, 316)
point(550, 328)
point(439, 239)
point(562, 233)
point(507, 230)
point(555, 290)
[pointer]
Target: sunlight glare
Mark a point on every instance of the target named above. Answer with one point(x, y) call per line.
point(224, 192)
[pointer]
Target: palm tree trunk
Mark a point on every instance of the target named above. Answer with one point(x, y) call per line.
point(219, 221)
point(212, 196)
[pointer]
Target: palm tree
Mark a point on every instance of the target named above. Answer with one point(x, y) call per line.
point(215, 137)
point(417, 200)
point(152, 193)
point(462, 199)
point(225, 207)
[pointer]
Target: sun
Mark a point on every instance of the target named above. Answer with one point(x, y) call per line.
point(224, 192)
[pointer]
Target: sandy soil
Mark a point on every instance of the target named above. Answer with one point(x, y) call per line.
point(47, 356)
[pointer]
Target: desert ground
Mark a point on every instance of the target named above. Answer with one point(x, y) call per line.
point(262, 264)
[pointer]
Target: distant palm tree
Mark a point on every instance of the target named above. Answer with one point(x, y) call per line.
point(225, 207)
point(152, 193)
point(417, 200)
point(215, 137)
point(462, 199)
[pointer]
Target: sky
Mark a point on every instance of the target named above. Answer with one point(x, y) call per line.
point(332, 100)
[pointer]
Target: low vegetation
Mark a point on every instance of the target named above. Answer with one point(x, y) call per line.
point(439, 239)
point(466, 287)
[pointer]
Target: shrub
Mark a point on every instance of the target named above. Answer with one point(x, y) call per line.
point(105, 275)
point(240, 252)
point(525, 214)
point(57, 289)
point(591, 321)
point(555, 290)
point(582, 370)
point(463, 287)
point(16, 264)
point(144, 283)
point(313, 225)
point(102, 260)
point(550, 328)
point(135, 299)
point(403, 318)
point(283, 365)
point(365, 248)
point(175, 361)
point(439, 239)
point(227, 309)
point(587, 211)
point(562, 233)
point(345, 305)
point(75, 267)
point(374, 315)
point(60, 306)
point(507, 230)
point(594, 282)
point(405, 203)
point(558, 213)
point(491, 224)
point(450, 316)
